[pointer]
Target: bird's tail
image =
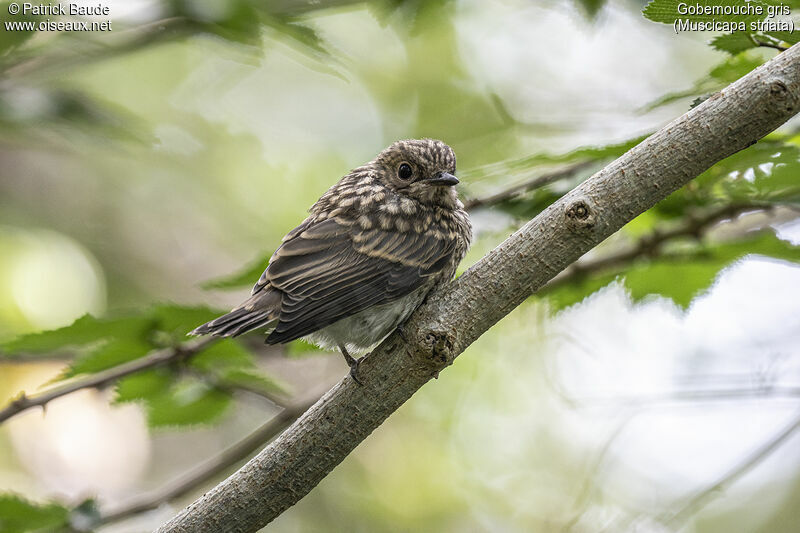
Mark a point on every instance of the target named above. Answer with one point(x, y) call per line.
point(259, 311)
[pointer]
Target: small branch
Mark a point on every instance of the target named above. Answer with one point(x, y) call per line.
point(775, 46)
point(11, 359)
point(210, 469)
point(703, 497)
point(232, 387)
point(100, 379)
point(651, 244)
point(533, 183)
point(771, 43)
point(734, 394)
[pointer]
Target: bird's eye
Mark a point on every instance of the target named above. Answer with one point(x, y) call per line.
point(404, 172)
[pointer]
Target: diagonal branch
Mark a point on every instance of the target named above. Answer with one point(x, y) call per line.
point(100, 379)
point(210, 469)
point(456, 314)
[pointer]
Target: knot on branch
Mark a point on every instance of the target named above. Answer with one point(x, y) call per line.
point(780, 93)
point(580, 214)
point(437, 346)
point(778, 89)
point(20, 401)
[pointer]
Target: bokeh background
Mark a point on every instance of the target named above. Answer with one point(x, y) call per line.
point(138, 164)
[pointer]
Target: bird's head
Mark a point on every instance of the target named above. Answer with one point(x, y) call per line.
point(422, 170)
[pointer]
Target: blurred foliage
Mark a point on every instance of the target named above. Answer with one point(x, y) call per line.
point(422, 94)
point(19, 516)
point(195, 389)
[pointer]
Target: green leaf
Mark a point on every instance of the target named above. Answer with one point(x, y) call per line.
point(735, 67)
point(188, 401)
point(248, 276)
point(720, 77)
point(223, 355)
point(591, 7)
point(250, 380)
point(83, 331)
point(174, 399)
point(680, 276)
point(144, 385)
point(108, 354)
point(173, 322)
point(171, 401)
point(733, 43)
point(666, 11)
point(18, 515)
point(789, 38)
point(10, 39)
point(765, 172)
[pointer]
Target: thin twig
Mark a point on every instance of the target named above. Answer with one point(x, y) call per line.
point(230, 387)
point(735, 394)
point(775, 46)
point(703, 497)
point(772, 43)
point(533, 183)
point(191, 480)
point(651, 244)
point(154, 359)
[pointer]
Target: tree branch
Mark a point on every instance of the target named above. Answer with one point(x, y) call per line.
point(193, 479)
point(651, 244)
point(456, 314)
point(535, 182)
point(100, 379)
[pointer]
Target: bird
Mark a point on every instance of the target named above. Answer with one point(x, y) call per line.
point(372, 248)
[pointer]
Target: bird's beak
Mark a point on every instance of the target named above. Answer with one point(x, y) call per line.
point(444, 178)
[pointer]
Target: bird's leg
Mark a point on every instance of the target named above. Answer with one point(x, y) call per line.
point(401, 330)
point(352, 363)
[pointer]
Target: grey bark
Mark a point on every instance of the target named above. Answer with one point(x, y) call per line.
point(458, 313)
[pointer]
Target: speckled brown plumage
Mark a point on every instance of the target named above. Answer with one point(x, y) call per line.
point(370, 250)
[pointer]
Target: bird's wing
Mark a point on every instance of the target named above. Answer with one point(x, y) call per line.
point(327, 271)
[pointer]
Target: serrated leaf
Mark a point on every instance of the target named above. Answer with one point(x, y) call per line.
point(733, 43)
point(85, 330)
point(666, 11)
point(18, 515)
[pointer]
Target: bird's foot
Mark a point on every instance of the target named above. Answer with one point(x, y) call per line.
point(352, 363)
point(401, 330)
point(354, 370)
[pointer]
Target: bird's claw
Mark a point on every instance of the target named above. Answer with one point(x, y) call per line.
point(401, 330)
point(352, 363)
point(354, 370)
